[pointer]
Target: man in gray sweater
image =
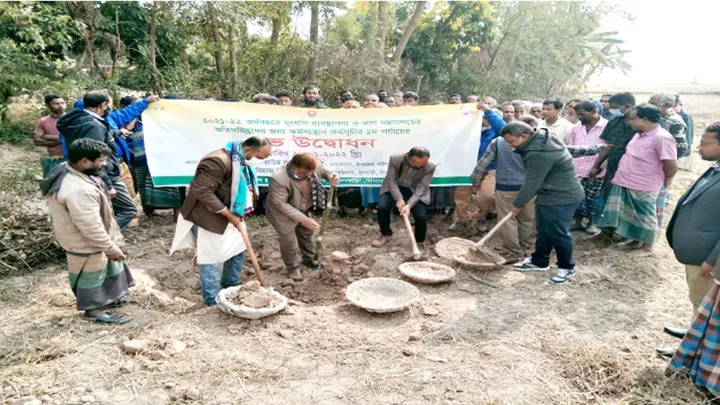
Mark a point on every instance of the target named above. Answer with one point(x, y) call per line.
point(549, 175)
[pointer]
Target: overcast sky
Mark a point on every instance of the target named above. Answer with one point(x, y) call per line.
point(671, 42)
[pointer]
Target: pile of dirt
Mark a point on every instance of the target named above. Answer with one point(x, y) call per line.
point(253, 295)
point(482, 255)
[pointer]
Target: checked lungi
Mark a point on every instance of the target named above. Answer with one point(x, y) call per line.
point(631, 214)
point(592, 191)
point(697, 356)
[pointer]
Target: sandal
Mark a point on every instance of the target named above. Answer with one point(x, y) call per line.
point(109, 319)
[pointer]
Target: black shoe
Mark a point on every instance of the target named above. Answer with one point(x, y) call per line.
point(675, 332)
point(666, 351)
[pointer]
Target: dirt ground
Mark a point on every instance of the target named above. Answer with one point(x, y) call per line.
point(591, 341)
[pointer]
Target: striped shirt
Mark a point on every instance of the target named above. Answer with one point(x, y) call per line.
point(580, 136)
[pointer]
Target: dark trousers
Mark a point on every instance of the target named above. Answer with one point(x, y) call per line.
point(553, 222)
point(419, 213)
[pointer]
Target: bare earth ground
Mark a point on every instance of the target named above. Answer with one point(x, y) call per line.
point(528, 342)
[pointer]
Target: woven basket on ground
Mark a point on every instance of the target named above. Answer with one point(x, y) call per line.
point(451, 247)
point(427, 272)
point(242, 311)
point(381, 294)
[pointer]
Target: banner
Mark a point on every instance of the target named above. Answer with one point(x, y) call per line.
point(357, 143)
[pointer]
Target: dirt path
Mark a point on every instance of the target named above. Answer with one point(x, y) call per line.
point(528, 342)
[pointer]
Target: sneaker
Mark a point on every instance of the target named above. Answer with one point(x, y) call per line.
point(482, 225)
point(592, 230)
point(576, 228)
point(457, 226)
point(527, 265)
point(562, 276)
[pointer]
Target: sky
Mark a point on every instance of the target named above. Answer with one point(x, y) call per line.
point(671, 42)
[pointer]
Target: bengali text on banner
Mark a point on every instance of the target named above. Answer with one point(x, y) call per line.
point(354, 142)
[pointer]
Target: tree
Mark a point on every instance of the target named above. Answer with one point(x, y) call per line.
point(314, 28)
point(412, 24)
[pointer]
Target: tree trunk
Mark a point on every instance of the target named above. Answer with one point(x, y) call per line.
point(212, 16)
point(276, 28)
point(153, 48)
point(382, 29)
point(414, 20)
point(314, 28)
point(114, 52)
point(233, 64)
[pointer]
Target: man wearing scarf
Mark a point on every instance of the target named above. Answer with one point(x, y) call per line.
point(222, 191)
point(295, 190)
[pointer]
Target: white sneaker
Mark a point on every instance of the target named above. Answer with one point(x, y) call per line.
point(457, 226)
point(562, 276)
point(482, 225)
point(527, 265)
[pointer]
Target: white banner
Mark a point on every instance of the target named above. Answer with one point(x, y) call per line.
point(356, 143)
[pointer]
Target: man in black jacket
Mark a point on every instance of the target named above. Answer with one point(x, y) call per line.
point(88, 123)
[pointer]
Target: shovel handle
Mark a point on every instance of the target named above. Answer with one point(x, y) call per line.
point(493, 230)
point(251, 253)
point(411, 235)
point(326, 218)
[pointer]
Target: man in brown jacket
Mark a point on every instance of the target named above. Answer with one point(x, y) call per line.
point(86, 229)
point(407, 187)
point(209, 214)
point(295, 189)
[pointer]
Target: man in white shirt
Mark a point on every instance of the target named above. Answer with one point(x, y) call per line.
point(556, 124)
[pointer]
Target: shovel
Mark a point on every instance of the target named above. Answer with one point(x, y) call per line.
point(485, 254)
point(416, 255)
point(251, 253)
point(326, 218)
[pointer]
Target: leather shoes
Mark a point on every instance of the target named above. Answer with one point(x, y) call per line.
point(675, 332)
point(295, 275)
point(666, 351)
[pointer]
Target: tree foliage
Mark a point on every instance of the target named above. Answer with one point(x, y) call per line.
point(232, 50)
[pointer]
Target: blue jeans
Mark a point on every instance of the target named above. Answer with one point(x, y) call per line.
point(553, 222)
point(210, 280)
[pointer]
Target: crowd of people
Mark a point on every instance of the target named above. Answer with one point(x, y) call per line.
point(600, 167)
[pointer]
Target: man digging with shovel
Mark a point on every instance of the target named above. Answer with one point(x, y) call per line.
point(407, 187)
point(295, 189)
point(549, 174)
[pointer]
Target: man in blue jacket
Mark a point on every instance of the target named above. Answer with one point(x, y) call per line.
point(485, 192)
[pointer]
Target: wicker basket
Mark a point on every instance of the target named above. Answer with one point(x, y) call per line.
point(242, 311)
point(381, 294)
point(451, 247)
point(427, 272)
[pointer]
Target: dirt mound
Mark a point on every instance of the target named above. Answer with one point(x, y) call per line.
point(252, 295)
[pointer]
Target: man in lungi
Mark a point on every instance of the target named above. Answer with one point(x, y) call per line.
point(86, 229)
point(584, 133)
point(222, 191)
point(694, 235)
point(648, 165)
point(295, 190)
